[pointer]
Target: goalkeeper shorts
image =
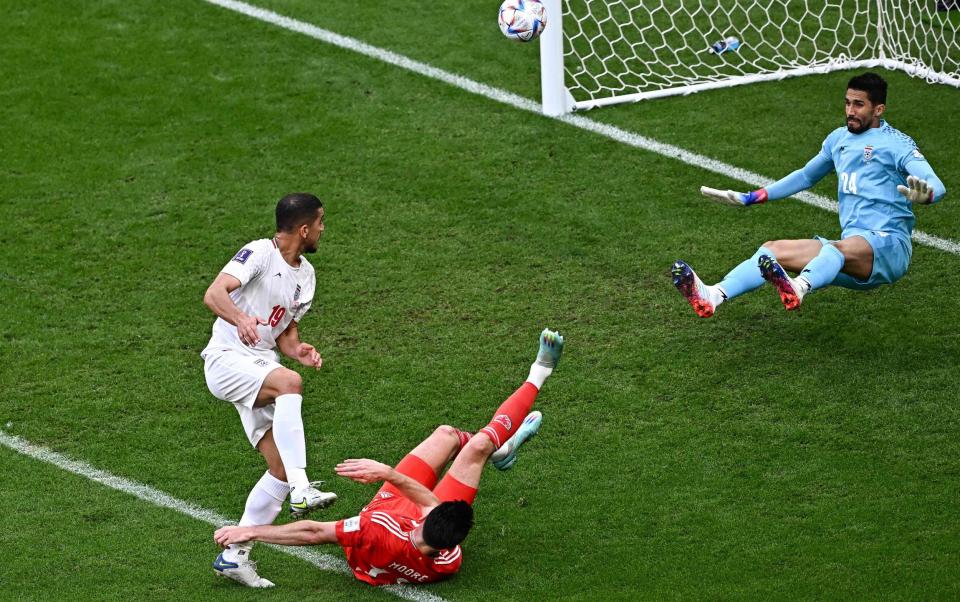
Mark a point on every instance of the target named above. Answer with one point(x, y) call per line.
point(891, 258)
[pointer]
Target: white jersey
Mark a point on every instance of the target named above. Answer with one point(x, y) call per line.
point(271, 289)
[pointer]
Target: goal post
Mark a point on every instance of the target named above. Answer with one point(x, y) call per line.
point(557, 100)
point(601, 52)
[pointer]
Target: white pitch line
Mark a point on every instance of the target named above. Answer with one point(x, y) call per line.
point(525, 104)
point(323, 561)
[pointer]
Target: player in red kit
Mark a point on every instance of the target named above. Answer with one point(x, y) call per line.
point(412, 529)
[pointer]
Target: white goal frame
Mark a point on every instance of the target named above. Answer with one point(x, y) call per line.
point(557, 98)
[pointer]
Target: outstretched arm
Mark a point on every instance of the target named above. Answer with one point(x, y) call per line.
point(370, 471)
point(801, 179)
point(299, 533)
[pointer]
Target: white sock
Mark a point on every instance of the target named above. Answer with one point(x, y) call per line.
point(263, 505)
point(288, 435)
point(717, 294)
point(538, 374)
point(805, 285)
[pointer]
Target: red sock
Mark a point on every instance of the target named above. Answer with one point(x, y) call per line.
point(510, 414)
point(463, 436)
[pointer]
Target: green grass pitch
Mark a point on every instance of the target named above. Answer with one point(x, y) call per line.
point(758, 454)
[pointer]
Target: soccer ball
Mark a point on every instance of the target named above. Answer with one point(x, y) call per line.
point(522, 20)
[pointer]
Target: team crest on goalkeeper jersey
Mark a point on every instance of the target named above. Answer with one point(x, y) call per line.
point(867, 153)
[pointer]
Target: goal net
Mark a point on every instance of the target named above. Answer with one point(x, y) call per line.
point(613, 51)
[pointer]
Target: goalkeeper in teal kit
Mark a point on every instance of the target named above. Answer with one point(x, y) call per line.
point(881, 177)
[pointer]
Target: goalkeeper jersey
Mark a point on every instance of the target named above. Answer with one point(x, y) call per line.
point(869, 167)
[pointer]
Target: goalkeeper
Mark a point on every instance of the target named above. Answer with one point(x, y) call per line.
point(881, 177)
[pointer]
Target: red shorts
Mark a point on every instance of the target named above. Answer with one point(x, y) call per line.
point(449, 488)
point(416, 469)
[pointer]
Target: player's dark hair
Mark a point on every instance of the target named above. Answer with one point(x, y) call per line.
point(871, 83)
point(296, 209)
point(447, 524)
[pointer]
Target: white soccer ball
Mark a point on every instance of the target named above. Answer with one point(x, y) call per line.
point(522, 20)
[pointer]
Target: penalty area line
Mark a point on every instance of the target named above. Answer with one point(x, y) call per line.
point(474, 87)
point(321, 560)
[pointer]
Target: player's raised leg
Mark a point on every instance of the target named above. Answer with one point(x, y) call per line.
point(746, 276)
point(441, 447)
point(704, 298)
point(823, 268)
point(791, 291)
point(283, 387)
point(427, 460)
point(463, 478)
point(511, 413)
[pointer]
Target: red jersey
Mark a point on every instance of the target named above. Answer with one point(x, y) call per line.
point(378, 544)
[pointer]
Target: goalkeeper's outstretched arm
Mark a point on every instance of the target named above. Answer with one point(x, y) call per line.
point(801, 179)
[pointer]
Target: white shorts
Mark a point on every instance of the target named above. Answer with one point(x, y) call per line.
point(237, 377)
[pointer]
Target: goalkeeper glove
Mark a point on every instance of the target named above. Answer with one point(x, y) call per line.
point(732, 197)
point(916, 191)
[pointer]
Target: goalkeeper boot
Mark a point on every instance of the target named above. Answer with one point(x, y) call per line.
point(702, 298)
point(243, 570)
point(505, 457)
point(306, 499)
point(791, 290)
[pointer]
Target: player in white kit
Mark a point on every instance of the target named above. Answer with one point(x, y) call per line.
point(259, 297)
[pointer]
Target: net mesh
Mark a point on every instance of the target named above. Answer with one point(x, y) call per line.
point(615, 48)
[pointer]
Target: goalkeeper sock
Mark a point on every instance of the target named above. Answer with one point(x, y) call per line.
point(745, 277)
point(823, 268)
point(263, 506)
point(288, 435)
point(510, 414)
point(717, 294)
